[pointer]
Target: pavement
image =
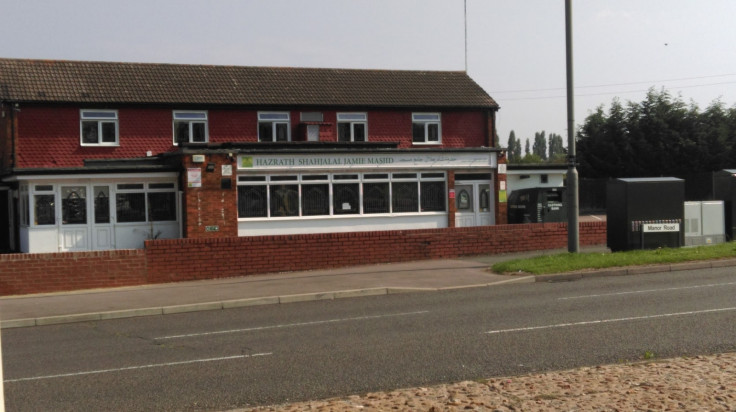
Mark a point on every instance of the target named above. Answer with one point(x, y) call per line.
point(282, 288)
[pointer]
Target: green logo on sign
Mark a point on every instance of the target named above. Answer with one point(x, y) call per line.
point(246, 162)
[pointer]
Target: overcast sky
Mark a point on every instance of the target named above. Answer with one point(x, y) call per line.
point(515, 48)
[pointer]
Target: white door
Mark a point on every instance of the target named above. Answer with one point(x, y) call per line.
point(465, 206)
point(74, 233)
point(485, 204)
point(103, 231)
point(473, 204)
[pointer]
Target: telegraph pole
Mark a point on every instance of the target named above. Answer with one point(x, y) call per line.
point(573, 229)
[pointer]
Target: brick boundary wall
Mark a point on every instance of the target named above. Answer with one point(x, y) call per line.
point(27, 273)
point(173, 260)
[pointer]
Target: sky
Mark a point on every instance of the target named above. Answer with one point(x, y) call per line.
point(514, 49)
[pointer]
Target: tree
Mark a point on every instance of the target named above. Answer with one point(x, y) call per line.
point(556, 149)
point(659, 136)
point(530, 158)
point(512, 148)
point(526, 147)
point(540, 145)
point(517, 149)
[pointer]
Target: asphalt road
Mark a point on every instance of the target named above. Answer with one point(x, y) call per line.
point(220, 360)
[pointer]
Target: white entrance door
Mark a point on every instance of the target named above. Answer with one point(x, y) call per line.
point(103, 231)
point(74, 233)
point(473, 204)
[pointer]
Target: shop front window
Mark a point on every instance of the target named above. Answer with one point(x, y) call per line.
point(284, 200)
point(404, 197)
point(433, 196)
point(315, 200)
point(340, 194)
point(252, 201)
point(130, 207)
point(346, 198)
point(161, 206)
point(375, 198)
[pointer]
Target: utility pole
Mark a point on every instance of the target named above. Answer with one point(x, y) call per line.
point(465, 24)
point(573, 229)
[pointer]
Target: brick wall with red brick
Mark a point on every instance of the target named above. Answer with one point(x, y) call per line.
point(210, 210)
point(49, 136)
point(28, 273)
point(173, 260)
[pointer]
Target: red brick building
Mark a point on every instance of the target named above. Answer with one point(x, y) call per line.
point(97, 155)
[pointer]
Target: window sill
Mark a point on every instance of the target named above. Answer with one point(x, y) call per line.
point(100, 144)
point(345, 216)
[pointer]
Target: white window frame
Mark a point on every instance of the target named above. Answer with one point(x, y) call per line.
point(144, 188)
point(101, 116)
point(37, 189)
point(332, 179)
point(427, 119)
point(353, 118)
point(192, 117)
point(275, 118)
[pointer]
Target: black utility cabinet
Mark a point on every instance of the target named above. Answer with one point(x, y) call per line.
point(724, 188)
point(537, 205)
point(642, 212)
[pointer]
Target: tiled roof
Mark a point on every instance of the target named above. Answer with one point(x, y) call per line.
point(144, 83)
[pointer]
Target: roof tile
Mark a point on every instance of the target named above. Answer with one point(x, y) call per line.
point(26, 80)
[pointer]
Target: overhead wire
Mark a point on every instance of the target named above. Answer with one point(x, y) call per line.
point(495, 93)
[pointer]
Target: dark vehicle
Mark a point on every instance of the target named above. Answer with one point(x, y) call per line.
point(537, 205)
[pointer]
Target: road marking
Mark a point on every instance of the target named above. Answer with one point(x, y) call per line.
point(291, 325)
point(129, 368)
point(515, 279)
point(596, 322)
point(648, 291)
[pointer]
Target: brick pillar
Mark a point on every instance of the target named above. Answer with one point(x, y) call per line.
point(211, 210)
point(501, 188)
point(451, 200)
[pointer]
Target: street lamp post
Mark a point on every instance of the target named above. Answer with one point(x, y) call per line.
point(573, 229)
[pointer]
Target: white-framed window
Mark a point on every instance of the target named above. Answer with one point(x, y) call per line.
point(190, 126)
point(98, 127)
point(145, 202)
point(274, 127)
point(352, 127)
point(426, 128)
point(44, 205)
point(340, 194)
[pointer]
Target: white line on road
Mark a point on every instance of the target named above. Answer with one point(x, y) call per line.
point(128, 368)
point(648, 291)
point(290, 325)
point(595, 322)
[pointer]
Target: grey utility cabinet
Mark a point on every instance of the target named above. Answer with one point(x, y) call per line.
point(704, 223)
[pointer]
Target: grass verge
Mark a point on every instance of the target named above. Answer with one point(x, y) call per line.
point(569, 262)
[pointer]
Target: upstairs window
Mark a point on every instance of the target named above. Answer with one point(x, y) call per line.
point(426, 128)
point(351, 127)
point(274, 127)
point(99, 127)
point(190, 127)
